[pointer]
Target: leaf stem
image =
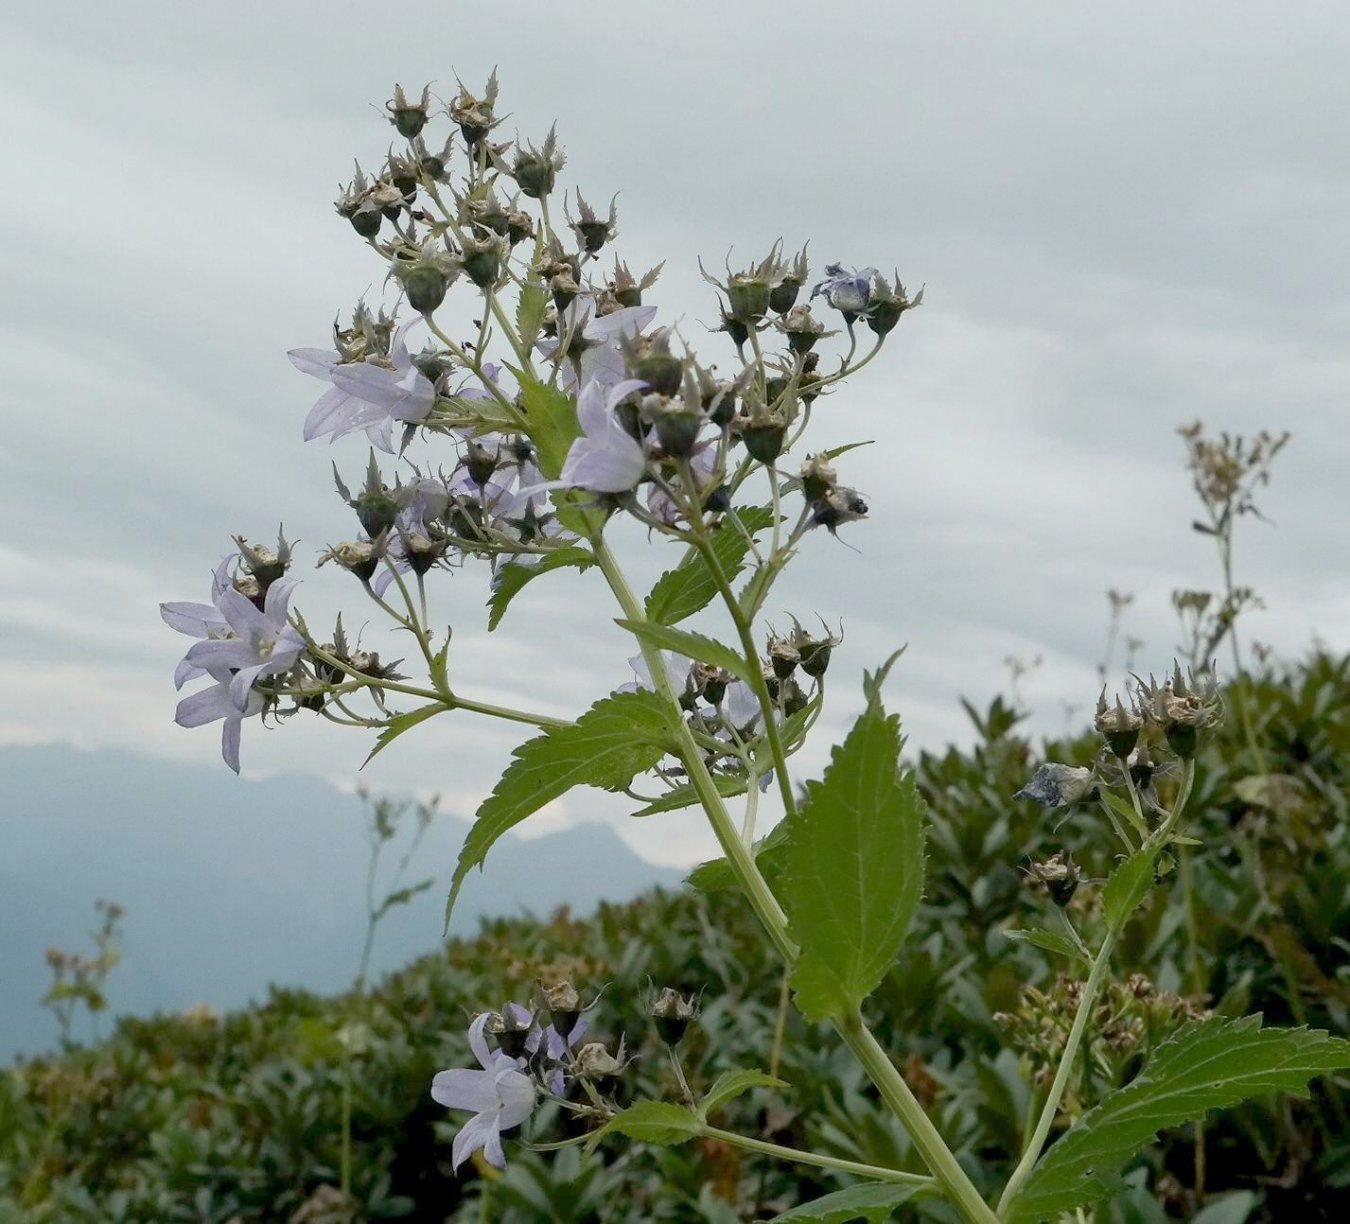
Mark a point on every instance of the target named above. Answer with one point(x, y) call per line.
point(819, 1160)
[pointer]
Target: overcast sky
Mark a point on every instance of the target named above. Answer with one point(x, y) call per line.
point(1126, 216)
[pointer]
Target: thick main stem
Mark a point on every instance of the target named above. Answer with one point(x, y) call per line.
point(897, 1094)
point(946, 1169)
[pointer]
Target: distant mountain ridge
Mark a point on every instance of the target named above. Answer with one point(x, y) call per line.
point(231, 887)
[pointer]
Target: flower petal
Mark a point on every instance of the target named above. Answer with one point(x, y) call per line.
point(464, 1088)
point(318, 362)
point(473, 1135)
point(229, 742)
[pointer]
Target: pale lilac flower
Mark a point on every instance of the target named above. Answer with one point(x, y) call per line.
point(606, 458)
point(1056, 785)
point(595, 341)
point(200, 620)
point(263, 642)
point(847, 291)
point(209, 704)
point(369, 395)
point(427, 499)
point(702, 464)
point(676, 666)
point(740, 706)
point(499, 1096)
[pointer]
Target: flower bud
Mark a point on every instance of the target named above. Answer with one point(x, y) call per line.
point(783, 296)
point(480, 463)
point(747, 298)
point(814, 652)
point(564, 1007)
point(511, 1028)
point(1059, 877)
point(886, 305)
point(818, 477)
point(357, 557)
point(671, 1014)
point(482, 259)
point(1118, 725)
point(764, 439)
point(783, 656)
point(597, 1064)
point(262, 563)
point(474, 115)
point(592, 231)
point(801, 328)
point(408, 117)
point(650, 359)
point(536, 170)
point(676, 425)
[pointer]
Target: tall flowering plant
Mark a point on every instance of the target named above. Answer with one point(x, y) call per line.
point(517, 449)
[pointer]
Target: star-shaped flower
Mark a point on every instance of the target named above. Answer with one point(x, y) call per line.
point(499, 1096)
point(369, 395)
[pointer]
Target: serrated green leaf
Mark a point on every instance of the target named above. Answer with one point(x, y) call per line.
point(874, 1202)
point(853, 868)
point(619, 736)
point(1125, 809)
point(1208, 1064)
point(401, 723)
point(1049, 941)
point(552, 417)
point(512, 578)
point(756, 589)
point(686, 796)
point(484, 415)
point(1126, 889)
point(731, 1084)
point(530, 310)
point(656, 1122)
point(690, 586)
point(693, 645)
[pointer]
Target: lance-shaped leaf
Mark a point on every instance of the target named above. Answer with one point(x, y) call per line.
point(1049, 941)
point(692, 645)
point(401, 723)
point(1128, 886)
point(511, 578)
point(530, 312)
point(731, 1084)
point(1210, 1064)
point(618, 737)
point(852, 873)
point(656, 1122)
point(690, 586)
point(684, 795)
point(552, 417)
point(874, 1202)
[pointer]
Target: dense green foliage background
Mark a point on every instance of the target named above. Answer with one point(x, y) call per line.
point(199, 1118)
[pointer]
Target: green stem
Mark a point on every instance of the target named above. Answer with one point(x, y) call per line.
point(939, 1158)
point(930, 1144)
point(1050, 1110)
point(820, 1161)
point(768, 710)
point(1152, 846)
point(739, 856)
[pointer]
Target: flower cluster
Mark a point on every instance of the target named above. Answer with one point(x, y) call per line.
point(534, 1054)
point(244, 639)
point(593, 408)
